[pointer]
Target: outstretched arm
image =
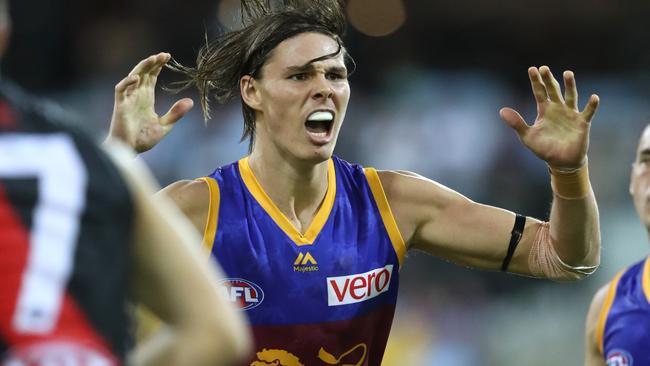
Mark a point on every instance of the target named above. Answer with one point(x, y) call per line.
point(442, 222)
point(134, 120)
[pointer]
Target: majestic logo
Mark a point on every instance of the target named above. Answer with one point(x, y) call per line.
point(305, 263)
point(358, 287)
point(619, 357)
point(245, 294)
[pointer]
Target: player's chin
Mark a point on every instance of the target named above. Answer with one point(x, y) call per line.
point(317, 154)
point(321, 155)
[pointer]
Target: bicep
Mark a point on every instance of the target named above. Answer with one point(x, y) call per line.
point(446, 224)
point(473, 234)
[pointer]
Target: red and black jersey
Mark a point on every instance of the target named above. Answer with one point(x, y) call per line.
point(65, 227)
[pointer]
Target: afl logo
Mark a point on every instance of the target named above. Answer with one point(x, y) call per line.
point(243, 293)
point(618, 357)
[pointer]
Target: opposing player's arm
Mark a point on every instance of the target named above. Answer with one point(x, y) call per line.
point(172, 278)
point(444, 223)
point(192, 197)
point(593, 354)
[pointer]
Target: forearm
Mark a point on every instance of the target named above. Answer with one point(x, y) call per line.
point(574, 224)
point(189, 347)
point(200, 328)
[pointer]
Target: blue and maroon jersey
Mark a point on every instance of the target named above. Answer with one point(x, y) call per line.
point(624, 326)
point(325, 297)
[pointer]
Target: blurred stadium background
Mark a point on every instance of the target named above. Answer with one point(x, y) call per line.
point(431, 78)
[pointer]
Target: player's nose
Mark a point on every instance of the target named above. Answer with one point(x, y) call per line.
point(322, 88)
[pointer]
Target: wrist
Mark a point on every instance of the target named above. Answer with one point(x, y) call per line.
point(117, 140)
point(570, 183)
point(567, 170)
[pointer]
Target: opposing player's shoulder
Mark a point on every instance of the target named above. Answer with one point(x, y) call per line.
point(193, 199)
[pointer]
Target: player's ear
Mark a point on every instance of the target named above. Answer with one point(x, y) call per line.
point(249, 91)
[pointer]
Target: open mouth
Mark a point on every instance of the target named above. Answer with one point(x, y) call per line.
point(320, 123)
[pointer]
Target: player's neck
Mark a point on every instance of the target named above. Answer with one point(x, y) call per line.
point(297, 188)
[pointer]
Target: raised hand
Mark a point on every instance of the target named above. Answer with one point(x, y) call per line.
point(560, 133)
point(134, 120)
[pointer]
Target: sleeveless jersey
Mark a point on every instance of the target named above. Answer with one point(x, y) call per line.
point(65, 221)
point(323, 298)
point(624, 326)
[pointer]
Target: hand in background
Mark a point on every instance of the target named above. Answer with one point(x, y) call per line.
point(134, 119)
point(560, 133)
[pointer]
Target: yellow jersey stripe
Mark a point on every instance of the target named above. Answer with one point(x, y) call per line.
point(604, 311)
point(646, 279)
point(278, 217)
point(210, 230)
point(386, 213)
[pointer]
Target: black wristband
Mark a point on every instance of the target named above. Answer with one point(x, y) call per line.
point(517, 232)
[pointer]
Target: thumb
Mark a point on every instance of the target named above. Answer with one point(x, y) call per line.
point(513, 119)
point(177, 111)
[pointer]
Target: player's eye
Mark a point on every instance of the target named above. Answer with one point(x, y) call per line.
point(335, 76)
point(299, 77)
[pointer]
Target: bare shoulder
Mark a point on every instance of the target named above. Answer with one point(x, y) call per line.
point(407, 187)
point(192, 197)
point(593, 356)
point(415, 200)
point(601, 294)
point(597, 303)
point(187, 192)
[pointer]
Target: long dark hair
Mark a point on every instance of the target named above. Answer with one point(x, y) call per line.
point(222, 62)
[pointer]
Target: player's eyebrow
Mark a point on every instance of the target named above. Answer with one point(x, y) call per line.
point(338, 69)
point(309, 67)
point(645, 152)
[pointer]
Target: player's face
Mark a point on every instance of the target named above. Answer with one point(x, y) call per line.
point(302, 104)
point(640, 178)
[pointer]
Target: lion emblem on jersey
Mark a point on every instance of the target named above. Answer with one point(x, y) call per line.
point(276, 357)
